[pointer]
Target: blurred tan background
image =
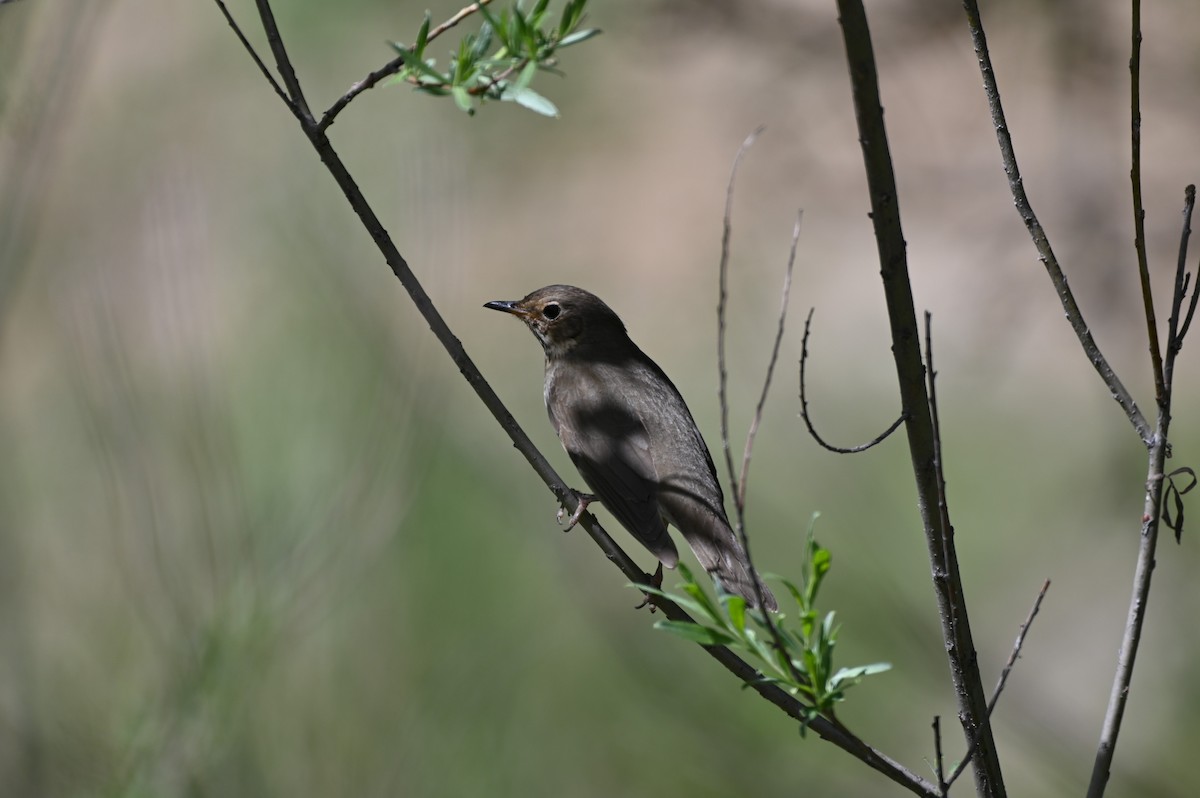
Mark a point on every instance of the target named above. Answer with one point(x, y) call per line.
point(257, 537)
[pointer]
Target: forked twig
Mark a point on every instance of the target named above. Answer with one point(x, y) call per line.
point(812, 430)
point(1008, 666)
point(738, 487)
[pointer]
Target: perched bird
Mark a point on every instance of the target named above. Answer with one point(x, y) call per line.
point(630, 434)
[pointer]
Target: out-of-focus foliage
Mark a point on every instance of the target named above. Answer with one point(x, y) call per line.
point(526, 42)
point(258, 538)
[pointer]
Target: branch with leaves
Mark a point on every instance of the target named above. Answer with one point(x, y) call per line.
point(524, 43)
point(288, 88)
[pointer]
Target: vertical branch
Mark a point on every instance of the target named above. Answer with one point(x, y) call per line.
point(906, 351)
point(1151, 514)
point(1139, 212)
point(722, 301)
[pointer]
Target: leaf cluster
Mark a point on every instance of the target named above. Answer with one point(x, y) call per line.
point(498, 62)
point(798, 657)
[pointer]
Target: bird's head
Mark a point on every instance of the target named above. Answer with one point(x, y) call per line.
point(566, 320)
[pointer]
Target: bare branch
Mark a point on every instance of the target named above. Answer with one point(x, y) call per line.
point(283, 63)
point(1176, 332)
point(1139, 212)
point(1008, 666)
point(804, 405)
point(266, 73)
point(938, 768)
point(914, 400)
point(740, 497)
point(722, 301)
point(738, 488)
point(1040, 240)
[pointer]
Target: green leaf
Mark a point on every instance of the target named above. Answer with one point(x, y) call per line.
point(535, 102)
point(526, 77)
point(856, 674)
point(578, 36)
point(735, 606)
point(422, 37)
point(539, 11)
point(462, 99)
point(695, 633)
point(498, 24)
point(571, 16)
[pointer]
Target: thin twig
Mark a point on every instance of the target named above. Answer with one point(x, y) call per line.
point(943, 506)
point(1008, 666)
point(1040, 240)
point(393, 66)
point(283, 63)
point(740, 498)
point(266, 73)
point(738, 488)
point(804, 404)
point(722, 300)
point(1139, 212)
point(938, 767)
point(1175, 331)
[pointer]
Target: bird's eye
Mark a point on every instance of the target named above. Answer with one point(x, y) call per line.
point(551, 311)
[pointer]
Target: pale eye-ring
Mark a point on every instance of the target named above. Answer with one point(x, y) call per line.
point(551, 311)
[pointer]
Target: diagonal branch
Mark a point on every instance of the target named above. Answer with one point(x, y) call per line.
point(283, 62)
point(1040, 240)
point(1008, 666)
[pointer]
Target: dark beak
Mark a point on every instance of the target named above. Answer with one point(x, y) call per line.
point(508, 306)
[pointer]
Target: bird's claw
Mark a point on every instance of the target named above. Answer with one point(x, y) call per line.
point(583, 500)
point(656, 583)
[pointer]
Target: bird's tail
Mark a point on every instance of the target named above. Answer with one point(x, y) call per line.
point(733, 571)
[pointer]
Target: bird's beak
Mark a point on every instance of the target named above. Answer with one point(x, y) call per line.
point(508, 306)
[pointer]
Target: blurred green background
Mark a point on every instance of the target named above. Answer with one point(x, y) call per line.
point(258, 537)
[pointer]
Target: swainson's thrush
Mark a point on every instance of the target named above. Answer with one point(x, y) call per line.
point(630, 434)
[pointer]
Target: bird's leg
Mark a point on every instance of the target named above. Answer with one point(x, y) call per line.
point(656, 583)
point(583, 499)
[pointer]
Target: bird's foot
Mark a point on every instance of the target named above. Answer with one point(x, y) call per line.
point(583, 499)
point(656, 583)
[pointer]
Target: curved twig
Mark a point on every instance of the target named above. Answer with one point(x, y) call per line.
point(804, 405)
point(1040, 240)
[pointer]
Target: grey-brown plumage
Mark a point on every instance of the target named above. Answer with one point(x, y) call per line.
point(630, 434)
